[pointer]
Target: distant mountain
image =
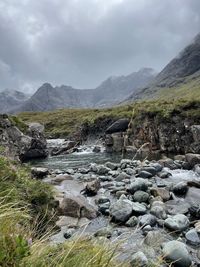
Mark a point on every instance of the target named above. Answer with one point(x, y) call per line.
point(11, 99)
point(108, 93)
point(180, 77)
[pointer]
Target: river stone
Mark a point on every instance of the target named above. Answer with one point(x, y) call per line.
point(122, 176)
point(105, 232)
point(60, 178)
point(145, 174)
point(132, 222)
point(147, 219)
point(77, 206)
point(197, 227)
point(162, 192)
point(137, 184)
point(180, 188)
point(139, 208)
point(139, 259)
point(192, 159)
point(158, 211)
point(39, 173)
point(177, 222)
point(195, 211)
point(104, 208)
point(141, 196)
point(102, 170)
point(102, 200)
point(111, 165)
point(92, 187)
point(150, 169)
point(130, 171)
point(197, 169)
point(121, 210)
point(176, 252)
point(174, 207)
point(93, 167)
point(158, 167)
point(192, 237)
point(153, 238)
point(165, 174)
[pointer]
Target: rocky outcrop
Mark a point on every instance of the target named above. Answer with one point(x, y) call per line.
point(20, 146)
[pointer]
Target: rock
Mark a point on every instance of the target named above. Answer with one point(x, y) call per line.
point(174, 207)
point(145, 174)
point(179, 157)
point(195, 211)
point(83, 170)
point(60, 178)
point(192, 159)
point(141, 196)
point(132, 222)
point(102, 200)
point(105, 232)
point(192, 237)
point(139, 259)
point(169, 163)
point(165, 174)
point(121, 210)
point(151, 169)
point(69, 233)
point(111, 165)
point(195, 129)
point(120, 125)
point(138, 208)
point(153, 237)
point(180, 188)
point(39, 173)
point(92, 187)
point(122, 176)
point(96, 149)
point(130, 171)
point(197, 227)
point(162, 192)
point(102, 170)
point(93, 167)
point(64, 148)
point(104, 208)
point(197, 169)
point(158, 167)
point(78, 207)
point(138, 184)
point(177, 222)
point(158, 210)
point(147, 219)
point(176, 252)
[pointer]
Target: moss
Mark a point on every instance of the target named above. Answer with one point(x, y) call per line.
point(23, 127)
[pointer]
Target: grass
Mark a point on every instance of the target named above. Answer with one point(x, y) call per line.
point(66, 122)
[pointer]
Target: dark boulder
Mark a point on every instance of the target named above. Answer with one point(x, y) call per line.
point(120, 125)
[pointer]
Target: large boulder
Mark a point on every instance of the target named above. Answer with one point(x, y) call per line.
point(20, 146)
point(176, 252)
point(192, 159)
point(78, 207)
point(120, 125)
point(65, 148)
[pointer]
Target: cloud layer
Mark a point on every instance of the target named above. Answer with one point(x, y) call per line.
point(81, 42)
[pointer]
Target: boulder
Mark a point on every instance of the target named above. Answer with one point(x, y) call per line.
point(177, 222)
point(65, 148)
point(121, 210)
point(120, 125)
point(92, 187)
point(78, 207)
point(192, 159)
point(39, 173)
point(176, 252)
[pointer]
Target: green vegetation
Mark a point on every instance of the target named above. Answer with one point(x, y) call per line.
point(19, 123)
point(61, 123)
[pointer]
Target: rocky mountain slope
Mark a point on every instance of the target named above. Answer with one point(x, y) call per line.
point(11, 99)
point(109, 93)
point(181, 77)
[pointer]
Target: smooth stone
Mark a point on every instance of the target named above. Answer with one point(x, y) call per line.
point(139, 208)
point(165, 174)
point(177, 222)
point(141, 196)
point(139, 259)
point(145, 174)
point(137, 184)
point(192, 237)
point(180, 188)
point(132, 222)
point(176, 252)
point(153, 237)
point(147, 219)
point(150, 169)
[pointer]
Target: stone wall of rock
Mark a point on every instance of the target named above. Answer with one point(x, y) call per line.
point(20, 146)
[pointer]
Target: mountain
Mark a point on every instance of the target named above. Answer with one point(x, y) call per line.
point(11, 99)
point(181, 77)
point(108, 93)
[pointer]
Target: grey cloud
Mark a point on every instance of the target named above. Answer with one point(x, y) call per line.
point(80, 42)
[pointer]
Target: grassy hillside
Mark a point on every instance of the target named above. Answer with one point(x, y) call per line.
point(61, 123)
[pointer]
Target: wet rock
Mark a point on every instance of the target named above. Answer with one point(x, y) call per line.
point(162, 192)
point(111, 165)
point(192, 237)
point(102, 170)
point(150, 169)
point(180, 188)
point(83, 170)
point(147, 219)
point(138, 208)
point(121, 210)
point(192, 159)
point(165, 174)
point(39, 173)
point(137, 184)
point(139, 259)
point(130, 171)
point(122, 176)
point(92, 187)
point(96, 149)
point(195, 211)
point(78, 207)
point(93, 167)
point(177, 222)
point(132, 222)
point(141, 196)
point(158, 167)
point(65, 148)
point(169, 163)
point(145, 174)
point(176, 252)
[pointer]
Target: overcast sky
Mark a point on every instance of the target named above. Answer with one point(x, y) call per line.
point(82, 42)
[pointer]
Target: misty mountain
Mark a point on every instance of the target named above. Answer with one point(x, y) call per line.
point(182, 73)
point(108, 93)
point(11, 99)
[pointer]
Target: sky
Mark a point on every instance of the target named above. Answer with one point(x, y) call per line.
point(82, 42)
